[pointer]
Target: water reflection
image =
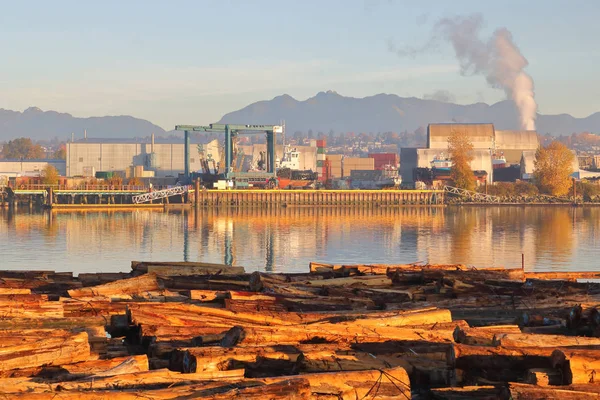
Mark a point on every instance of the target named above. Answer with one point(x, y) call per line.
point(287, 239)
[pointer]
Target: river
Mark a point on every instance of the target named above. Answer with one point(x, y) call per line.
point(287, 239)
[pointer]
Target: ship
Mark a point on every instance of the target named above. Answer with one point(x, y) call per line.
point(289, 175)
point(498, 161)
point(441, 162)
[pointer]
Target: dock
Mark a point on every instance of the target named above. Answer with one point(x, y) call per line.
point(284, 198)
point(123, 197)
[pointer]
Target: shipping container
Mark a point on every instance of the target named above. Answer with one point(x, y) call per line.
point(321, 143)
point(320, 163)
point(383, 159)
point(104, 174)
point(321, 150)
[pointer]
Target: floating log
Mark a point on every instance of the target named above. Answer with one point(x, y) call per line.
point(184, 268)
point(126, 287)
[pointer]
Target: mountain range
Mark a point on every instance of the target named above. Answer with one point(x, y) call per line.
point(322, 113)
point(388, 112)
point(46, 125)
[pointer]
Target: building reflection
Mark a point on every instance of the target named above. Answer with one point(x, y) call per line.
point(287, 239)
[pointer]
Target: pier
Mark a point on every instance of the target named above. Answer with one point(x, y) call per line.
point(283, 198)
point(98, 197)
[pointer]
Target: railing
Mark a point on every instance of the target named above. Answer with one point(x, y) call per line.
point(472, 195)
point(122, 188)
point(160, 194)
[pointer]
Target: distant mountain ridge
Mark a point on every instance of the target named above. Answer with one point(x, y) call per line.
point(387, 112)
point(46, 125)
point(324, 112)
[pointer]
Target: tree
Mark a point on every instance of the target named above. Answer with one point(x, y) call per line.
point(461, 154)
point(22, 148)
point(61, 153)
point(552, 169)
point(49, 175)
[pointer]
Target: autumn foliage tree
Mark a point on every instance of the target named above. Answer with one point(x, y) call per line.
point(50, 175)
point(22, 148)
point(460, 148)
point(552, 169)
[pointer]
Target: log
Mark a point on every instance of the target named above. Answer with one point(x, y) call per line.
point(391, 382)
point(577, 366)
point(334, 333)
point(48, 351)
point(185, 268)
point(295, 389)
point(64, 372)
point(468, 392)
point(533, 340)
point(374, 280)
point(519, 391)
point(125, 287)
point(6, 291)
point(482, 336)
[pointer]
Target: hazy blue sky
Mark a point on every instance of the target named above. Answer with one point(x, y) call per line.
point(192, 61)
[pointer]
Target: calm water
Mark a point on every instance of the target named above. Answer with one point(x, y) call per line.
point(551, 238)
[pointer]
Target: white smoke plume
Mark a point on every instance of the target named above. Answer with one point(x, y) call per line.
point(498, 59)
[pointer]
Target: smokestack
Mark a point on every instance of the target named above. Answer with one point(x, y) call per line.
point(152, 144)
point(72, 137)
point(498, 59)
point(85, 134)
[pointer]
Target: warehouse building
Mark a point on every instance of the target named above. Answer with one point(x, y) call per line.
point(88, 156)
point(30, 167)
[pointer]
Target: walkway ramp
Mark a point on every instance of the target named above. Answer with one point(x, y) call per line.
point(482, 197)
point(159, 194)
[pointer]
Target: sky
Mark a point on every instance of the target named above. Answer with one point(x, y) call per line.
point(190, 62)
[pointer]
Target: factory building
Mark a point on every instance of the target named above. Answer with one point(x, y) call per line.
point(512, 144)
point(489, 145)
point(88, 156)
point(481, 135)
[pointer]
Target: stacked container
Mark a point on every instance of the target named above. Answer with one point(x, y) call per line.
point(335, 165)
point(383, 159)
point(321, 157)
point(358, 164)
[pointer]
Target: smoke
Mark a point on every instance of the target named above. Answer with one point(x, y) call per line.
point(498, 59)
point(440, 95)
